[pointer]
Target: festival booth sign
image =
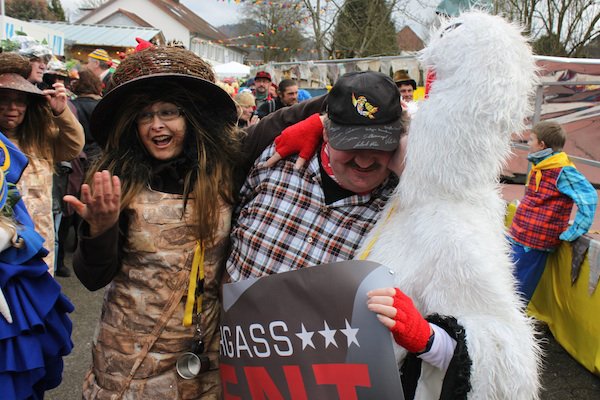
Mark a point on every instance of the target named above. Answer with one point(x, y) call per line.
point(308, 334)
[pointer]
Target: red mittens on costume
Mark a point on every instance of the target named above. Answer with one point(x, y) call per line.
point(302, 138)
point(411, 330)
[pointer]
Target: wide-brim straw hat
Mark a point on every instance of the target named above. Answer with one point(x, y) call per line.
point(402, 78)
point(166, 66)
point(18, 83)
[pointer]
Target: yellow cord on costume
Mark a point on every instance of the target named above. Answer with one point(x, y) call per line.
point(367, 251)
point(196, 275)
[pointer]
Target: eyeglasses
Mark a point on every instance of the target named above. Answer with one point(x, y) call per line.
point(19, 101)
point(167, 114)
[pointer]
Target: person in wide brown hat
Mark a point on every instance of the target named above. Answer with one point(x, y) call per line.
point(156, 213)
point(406, 85)
point(41, 124)
point(156, 216)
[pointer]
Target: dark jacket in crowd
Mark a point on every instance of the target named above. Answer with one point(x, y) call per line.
point(85, 104)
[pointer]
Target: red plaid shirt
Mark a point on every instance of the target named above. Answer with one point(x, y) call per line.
point(543, 215)
point(283, 222)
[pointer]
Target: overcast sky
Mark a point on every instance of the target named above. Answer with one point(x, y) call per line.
point(215, 12)
point(220, 12)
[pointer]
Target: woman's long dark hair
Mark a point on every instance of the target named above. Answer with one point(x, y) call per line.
point(37, 133)
point(211, 151)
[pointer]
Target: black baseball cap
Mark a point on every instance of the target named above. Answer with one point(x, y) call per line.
point(364, 112)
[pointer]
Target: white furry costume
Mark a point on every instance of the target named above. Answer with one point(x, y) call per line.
point(445, 238)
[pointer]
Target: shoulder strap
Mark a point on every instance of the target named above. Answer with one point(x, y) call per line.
point(166, 314)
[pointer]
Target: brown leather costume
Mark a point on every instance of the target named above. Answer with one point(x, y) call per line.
point(36, 186)
point(156, 264)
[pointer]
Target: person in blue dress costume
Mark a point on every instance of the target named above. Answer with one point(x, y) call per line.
point(35, 329)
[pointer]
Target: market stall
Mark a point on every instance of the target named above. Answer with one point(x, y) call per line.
point(232, 70)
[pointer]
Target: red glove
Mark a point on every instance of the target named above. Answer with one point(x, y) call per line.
point(302, 138)
point(411, 330)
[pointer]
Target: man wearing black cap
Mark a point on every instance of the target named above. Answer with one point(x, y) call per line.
point(262, 82)
point(291, 218)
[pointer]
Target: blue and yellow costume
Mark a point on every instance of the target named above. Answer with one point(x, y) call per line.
point(33, 344)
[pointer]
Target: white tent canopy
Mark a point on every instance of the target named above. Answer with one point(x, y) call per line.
point(232, 70)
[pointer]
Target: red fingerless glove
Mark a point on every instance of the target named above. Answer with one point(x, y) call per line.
point(302, 138)
point(411, 330)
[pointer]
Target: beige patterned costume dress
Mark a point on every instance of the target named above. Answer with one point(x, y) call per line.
point(36, 183)
point(156, 265)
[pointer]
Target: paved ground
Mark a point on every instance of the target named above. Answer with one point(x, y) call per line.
point(563, 379)
point(85, 317)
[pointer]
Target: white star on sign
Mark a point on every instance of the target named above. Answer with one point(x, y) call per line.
point(350, 334)
point(328, 334)
point(306, 338)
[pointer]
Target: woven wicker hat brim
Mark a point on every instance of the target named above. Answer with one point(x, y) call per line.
point(103, 118)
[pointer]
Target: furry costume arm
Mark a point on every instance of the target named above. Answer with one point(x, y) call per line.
point(456, 381)
point(398, 313)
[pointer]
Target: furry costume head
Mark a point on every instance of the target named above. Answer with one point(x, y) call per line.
point(476, 54)
point(485, 77)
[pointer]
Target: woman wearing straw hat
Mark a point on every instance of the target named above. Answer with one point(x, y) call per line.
point(156, 217)
point(43, 127)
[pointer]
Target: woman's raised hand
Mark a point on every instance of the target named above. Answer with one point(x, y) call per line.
point(57, 98)
point(99, 206)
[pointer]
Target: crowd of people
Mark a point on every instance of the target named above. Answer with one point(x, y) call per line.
point(175, 186)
